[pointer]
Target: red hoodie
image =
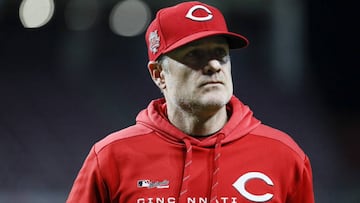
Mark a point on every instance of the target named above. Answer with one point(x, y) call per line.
point(154, 162)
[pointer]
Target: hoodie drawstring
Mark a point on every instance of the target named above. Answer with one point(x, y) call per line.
point(186, 172)
point(216, 169)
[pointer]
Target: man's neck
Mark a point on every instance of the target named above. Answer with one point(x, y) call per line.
point(200, 123)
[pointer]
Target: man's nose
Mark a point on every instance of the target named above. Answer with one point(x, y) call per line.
point(212, 66)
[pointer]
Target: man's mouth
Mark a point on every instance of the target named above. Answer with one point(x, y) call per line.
point(211, 83)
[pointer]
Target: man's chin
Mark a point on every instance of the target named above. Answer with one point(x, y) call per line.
point(215, 100)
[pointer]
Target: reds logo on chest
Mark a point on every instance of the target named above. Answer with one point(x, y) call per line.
point(242, 181)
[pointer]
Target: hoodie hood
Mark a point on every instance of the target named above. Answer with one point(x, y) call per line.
point(240, 123)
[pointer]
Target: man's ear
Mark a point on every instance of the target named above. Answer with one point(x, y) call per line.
point(156, 74)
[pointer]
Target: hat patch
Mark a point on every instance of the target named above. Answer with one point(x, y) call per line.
point(190, 13)
point(154, 41)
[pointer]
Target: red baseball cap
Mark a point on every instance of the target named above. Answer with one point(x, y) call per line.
point(185, 22)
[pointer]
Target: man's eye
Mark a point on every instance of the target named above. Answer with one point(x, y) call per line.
point(220, 53)
point(194, 54)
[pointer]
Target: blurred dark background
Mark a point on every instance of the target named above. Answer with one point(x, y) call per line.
point(70, 82)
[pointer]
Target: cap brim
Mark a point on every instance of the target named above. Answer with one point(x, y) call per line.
point(235, 41)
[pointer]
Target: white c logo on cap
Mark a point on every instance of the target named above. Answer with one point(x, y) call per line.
point(241, 182)
point(192, 17)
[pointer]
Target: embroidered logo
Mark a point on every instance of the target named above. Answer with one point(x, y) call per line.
point(153, 184)
point(240, 185)
point(191, 16)
point(154, 41)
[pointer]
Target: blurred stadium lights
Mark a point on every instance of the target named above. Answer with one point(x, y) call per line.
point(36, 13)
point(129, 18)
point(81, 14)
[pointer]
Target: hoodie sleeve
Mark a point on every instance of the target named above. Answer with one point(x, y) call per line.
point(304, 190)
point(88, 186)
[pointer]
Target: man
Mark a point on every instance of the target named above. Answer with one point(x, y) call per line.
point(199, 143)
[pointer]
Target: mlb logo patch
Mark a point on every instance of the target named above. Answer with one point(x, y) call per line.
point(143, 183)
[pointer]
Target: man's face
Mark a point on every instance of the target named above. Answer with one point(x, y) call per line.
point(198, 75)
